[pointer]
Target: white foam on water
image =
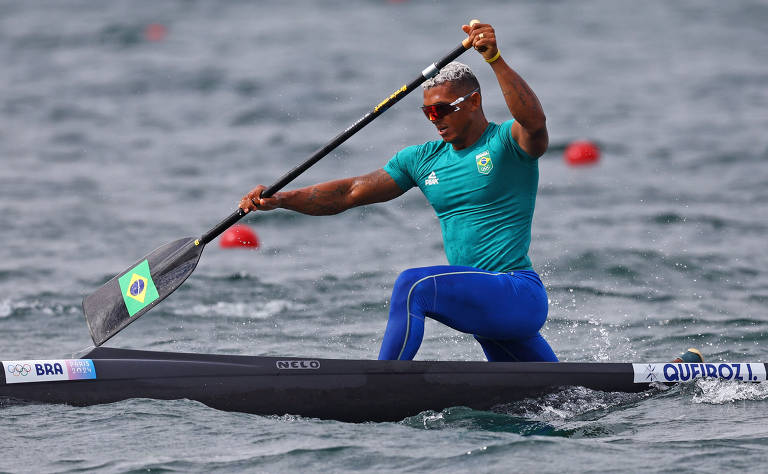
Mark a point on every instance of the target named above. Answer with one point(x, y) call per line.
point(5, 308)
point(246, 310)
point(8, 307)
point(567, 404)
point(718, 392)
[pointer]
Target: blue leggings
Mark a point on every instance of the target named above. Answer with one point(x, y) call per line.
point(504, 311)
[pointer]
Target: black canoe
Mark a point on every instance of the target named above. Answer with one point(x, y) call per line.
point(345, 390)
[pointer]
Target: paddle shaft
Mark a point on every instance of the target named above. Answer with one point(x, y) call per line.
point(108, 310)
point(427, 73)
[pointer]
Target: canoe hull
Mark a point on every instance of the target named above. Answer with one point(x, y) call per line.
point(345, 390)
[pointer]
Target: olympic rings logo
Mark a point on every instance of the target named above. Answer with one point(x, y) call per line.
point(19, 369)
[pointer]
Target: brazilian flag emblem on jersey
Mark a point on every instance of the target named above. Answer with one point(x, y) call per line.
point(138, 288)
point(484, 163)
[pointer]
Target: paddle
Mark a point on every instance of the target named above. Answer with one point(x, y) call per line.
point(130, 294)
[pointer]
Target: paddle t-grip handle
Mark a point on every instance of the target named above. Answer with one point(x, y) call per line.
point(466, 42)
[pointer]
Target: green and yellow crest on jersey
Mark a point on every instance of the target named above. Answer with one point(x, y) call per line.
point(484, 163)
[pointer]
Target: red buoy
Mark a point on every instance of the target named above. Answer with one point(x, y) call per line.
point(239, 236)
point(582, 152)
point(155, 32)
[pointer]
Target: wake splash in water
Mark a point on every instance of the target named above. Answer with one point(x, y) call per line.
point(720, 392)
point(573, 412)
point(546, 415)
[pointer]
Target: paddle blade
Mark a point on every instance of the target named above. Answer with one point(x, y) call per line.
point(127, 296)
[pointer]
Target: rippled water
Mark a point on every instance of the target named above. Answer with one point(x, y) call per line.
point(112, 144)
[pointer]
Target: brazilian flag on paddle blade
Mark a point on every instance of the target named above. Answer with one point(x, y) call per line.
point(137, 288)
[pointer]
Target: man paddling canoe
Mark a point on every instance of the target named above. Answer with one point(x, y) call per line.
point(481, 179)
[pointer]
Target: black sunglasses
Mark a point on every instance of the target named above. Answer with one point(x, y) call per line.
point(441, 109)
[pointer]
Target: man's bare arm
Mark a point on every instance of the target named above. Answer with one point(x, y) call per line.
point(327, 198)
point(530, 126)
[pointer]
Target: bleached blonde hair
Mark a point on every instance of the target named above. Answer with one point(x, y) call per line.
point(456, 73)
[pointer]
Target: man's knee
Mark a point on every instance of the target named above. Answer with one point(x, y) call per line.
point(410, 277)
point(415, 286)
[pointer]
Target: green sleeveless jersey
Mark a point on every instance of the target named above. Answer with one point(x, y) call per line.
point(484, 196)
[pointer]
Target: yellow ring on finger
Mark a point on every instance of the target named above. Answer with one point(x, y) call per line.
point(481, 36)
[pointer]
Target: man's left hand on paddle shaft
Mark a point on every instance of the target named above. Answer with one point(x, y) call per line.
point(254, 202)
